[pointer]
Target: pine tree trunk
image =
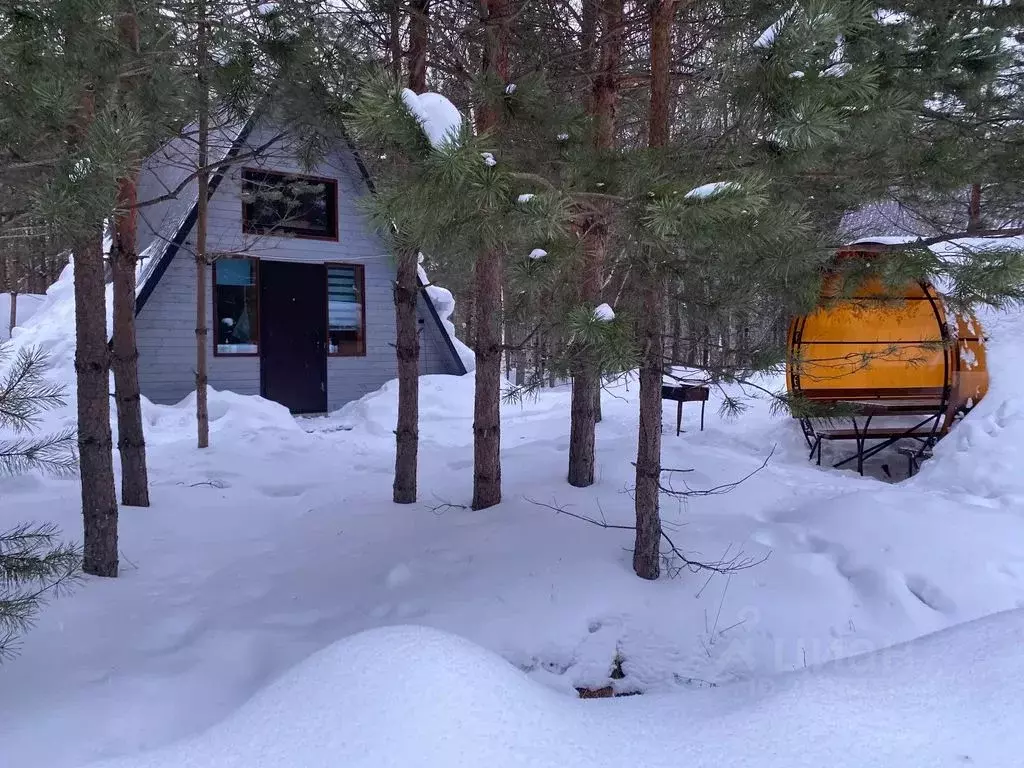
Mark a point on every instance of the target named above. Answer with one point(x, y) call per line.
point(13, 319)
point(202, 211)
point(488, 275)
point(131, 443)
point(646, 553)
point(487, 395)
point(395, 38)
point(407, 347)
point(92, 365)
point(975, 222)
point(677, 332)
point(407, 340)
point(586, 381)
point(419, 31)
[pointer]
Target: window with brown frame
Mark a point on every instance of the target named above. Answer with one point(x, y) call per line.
point(346, 310)
point(289, 204)
point(235, 307)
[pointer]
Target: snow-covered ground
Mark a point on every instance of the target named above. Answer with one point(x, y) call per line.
point(281, 540)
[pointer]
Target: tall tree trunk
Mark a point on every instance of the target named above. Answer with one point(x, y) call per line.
point(586, 381)
point(419, 38)
point(677, 330)
point(407, 340)
point(488, 274)
point(975, 222)
point(646, 558)
point(487, 395)
point(395, 38)
point(202, 211)
point(92, 367)
point(13, 319)
point(407, 347)
point(131, 441)
point(92, 364)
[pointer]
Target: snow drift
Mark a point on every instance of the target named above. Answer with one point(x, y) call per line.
point(408, 696)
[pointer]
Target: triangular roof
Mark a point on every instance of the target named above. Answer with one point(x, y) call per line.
point(160, 254)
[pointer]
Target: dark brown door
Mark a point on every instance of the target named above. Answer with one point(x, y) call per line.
point(293, 327)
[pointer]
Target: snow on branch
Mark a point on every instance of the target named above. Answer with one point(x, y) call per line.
point(440, 119)
point(713, 189)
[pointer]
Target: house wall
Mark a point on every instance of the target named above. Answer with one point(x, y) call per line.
point(165, 326)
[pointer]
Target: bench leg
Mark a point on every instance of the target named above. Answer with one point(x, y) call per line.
point(679, 417)
point(702, 404)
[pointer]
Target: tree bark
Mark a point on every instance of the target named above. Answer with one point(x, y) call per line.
point(487, 394)
point(677, 330)
point(586, 381)
point(92, 366)
point(407, 341)
point(975, 222)
point(419, 38)
point(131, 443)
point(488, 274)
point(646, 551)
point(407, 347)
point(92, 363)
point(395, 38)
point(13, 319)
point(202, 210)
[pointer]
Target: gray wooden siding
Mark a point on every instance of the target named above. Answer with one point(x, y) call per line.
point(166, 323)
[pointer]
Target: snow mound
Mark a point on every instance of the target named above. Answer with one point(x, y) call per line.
point(446, 410)
point(27, 305)
point(230, 413)
point(983, 454)
point(410, 696)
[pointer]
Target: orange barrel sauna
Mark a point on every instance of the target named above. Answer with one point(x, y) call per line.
point(885, 345)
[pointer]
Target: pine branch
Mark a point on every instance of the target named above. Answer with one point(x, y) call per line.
point(34, 567)
point(24, 393)
point(53, 454)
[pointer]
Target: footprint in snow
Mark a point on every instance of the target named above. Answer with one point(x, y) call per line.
point(930, 595)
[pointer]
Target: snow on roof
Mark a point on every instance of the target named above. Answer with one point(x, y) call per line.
point(440, 119)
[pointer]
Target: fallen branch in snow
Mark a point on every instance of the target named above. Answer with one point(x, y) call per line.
point(675, 561)
point(718, 489)
point(444, 506)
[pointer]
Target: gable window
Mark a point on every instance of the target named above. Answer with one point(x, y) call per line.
point(346, 311)
point(288, 204)
point(235, 307)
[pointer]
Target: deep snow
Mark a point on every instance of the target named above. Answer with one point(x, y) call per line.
point(281, 539)
point(458, 705)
